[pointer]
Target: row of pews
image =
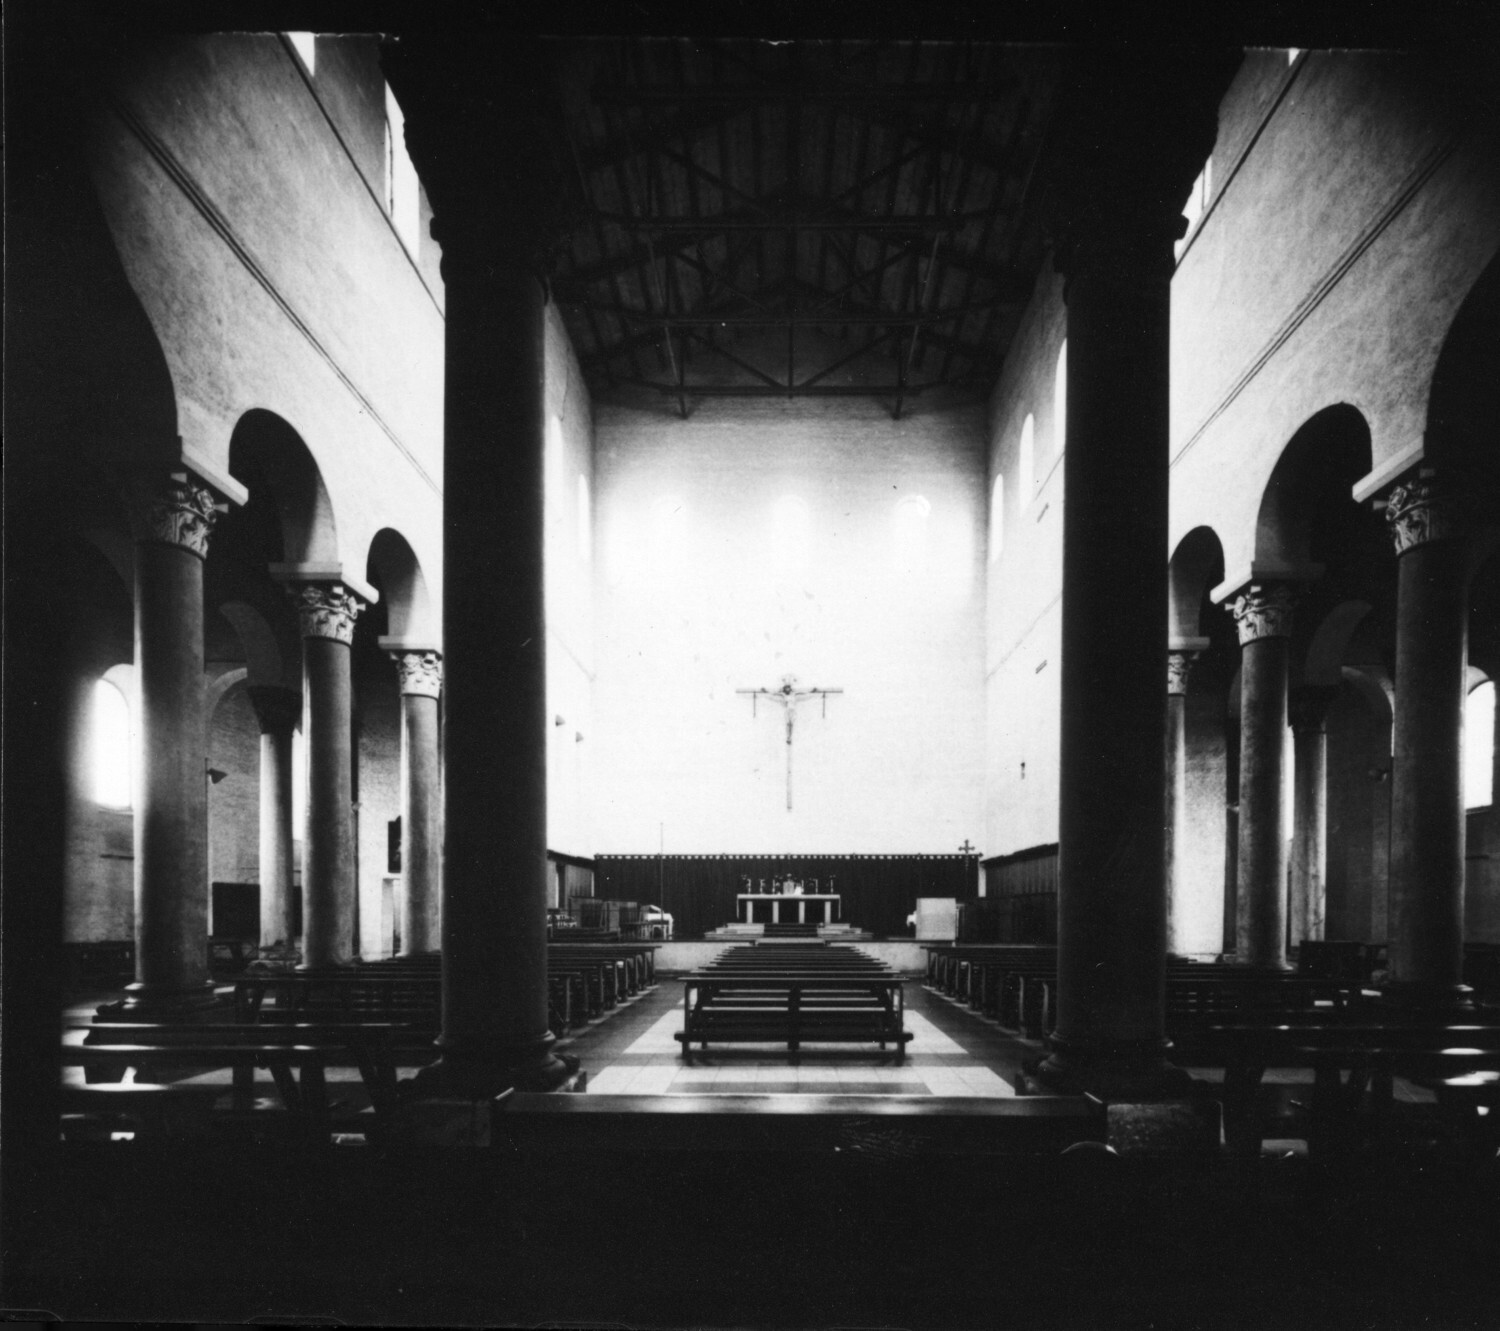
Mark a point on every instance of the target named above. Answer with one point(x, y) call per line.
point(307, 1031)
point(1245, 1022)
point(793, 994)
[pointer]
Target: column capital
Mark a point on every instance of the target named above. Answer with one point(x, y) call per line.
point(1179, 667)
point(1307, 706)
point(1423, 509)
point(277, 708)
point(326, 610)
point(173, 509)
point(420, 672)
point(1263, 610)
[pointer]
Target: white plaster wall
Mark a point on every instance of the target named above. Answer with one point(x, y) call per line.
point(1353, 156)
point(698, 599)
point(1024, 588)
point(263, 256)
point(569, 571)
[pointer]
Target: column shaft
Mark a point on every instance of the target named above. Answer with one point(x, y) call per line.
point(421, 824)
point(1309, 867)
point(171, 826)
point(328, 852)
point(494, 917)
point(1174, 809)
point(277, 709)
point(1111, 899)
point(276, 873)
point(1261, 935)
point(1427, 802)
point(173, 517)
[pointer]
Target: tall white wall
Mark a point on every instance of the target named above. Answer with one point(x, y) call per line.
point(756, 540)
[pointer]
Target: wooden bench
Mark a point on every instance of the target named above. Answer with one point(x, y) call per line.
point(347, 994)
point(376, 1049)
point(912, 1126)
point(792, 1009)
point(1353, 1060)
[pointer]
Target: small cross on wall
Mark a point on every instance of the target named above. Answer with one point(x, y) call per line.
point(966, 848)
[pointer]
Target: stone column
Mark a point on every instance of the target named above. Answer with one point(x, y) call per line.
point(1112, 916)
point(1427, 799)
point(421, 675)
point(172, 517)
point(1179, 666)
point(495, 869)
point(1308, 710)
point(278, 710)
point(327, 611)
point(1263, 618)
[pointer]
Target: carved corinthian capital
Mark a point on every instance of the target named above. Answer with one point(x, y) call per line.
point(326, 610)
point(1179, 667)
point(421, 673)
point(1263, 610)
point(174, 510)
point(1423, 510)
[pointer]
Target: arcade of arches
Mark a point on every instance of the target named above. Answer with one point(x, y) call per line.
point(373, 583)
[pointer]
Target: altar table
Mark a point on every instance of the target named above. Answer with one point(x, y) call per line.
point(774, 908)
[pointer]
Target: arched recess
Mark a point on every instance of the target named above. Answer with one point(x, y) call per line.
point(1464, 402)
point(1202, 822)
point(394, 569)
point(269, 458)
point(1308, 489)
point(405, 615)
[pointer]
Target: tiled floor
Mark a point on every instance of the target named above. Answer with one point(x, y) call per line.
point(952, 1052)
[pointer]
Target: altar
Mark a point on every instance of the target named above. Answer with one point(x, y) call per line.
point(776, 908)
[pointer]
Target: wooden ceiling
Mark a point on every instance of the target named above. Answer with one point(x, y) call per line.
point(797, 219)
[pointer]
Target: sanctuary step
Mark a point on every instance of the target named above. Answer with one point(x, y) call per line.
point(793, 930)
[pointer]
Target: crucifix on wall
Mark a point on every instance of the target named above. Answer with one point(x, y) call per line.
point(788, 695)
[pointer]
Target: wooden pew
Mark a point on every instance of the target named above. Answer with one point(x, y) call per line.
point(781, 1008)
point(376, 1049)
point(929, 1125)
point(1351, 1058)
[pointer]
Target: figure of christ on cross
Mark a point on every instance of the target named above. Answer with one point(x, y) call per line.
point(789, 695)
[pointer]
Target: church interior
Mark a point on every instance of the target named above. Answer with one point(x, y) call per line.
point(687, 680)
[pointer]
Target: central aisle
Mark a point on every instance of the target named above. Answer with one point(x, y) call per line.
point(952, 1052)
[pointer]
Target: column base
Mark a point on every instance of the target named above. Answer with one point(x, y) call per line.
point(1121, 1070)
point(150, 1002)
point(469, 1071)
point(1427, 1002)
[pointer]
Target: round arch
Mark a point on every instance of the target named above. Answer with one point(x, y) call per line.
point(270, 459)
point(1313, 477)
point(393, 567)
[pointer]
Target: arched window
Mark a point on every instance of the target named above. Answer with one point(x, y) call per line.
point(1027, 468)
point(110, 747)
point(910, 548)
point(1060, 401)
point(997, 518)
point(791, 534)
point(1479, 746)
